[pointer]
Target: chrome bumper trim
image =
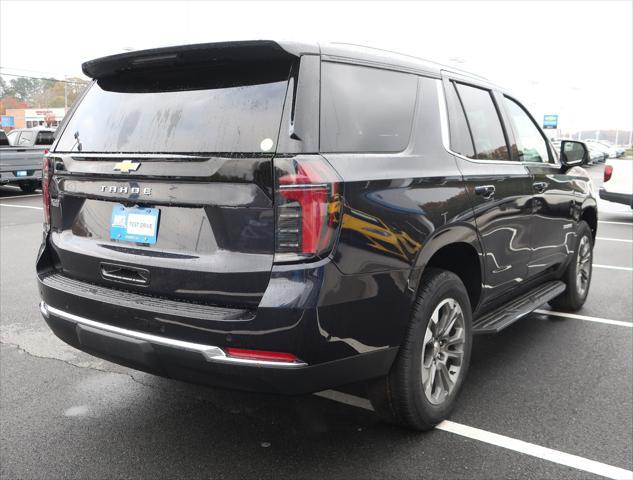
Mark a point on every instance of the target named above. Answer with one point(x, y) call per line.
point(211, 353)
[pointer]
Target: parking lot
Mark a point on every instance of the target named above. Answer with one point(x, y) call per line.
point(549, 397)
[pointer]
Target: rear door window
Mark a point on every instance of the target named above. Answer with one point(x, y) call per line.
point(485, 125)
point(186, 110)
point(365, 109)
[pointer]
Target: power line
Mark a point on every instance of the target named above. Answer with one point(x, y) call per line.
point(43, 78)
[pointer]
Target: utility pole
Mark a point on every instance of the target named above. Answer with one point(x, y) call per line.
point(617, 134)
point(65, 95)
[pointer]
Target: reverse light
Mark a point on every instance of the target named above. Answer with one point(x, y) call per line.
point(608, 171)
point(263, 355)
point(307, 208)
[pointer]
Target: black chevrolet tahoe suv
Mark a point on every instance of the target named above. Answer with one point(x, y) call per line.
point(285, 217)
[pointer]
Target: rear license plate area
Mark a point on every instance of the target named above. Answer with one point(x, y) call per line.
point(134, 224)
point(21, 173)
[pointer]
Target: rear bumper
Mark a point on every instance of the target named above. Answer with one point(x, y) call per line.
point(624, 198)
point(208, 364)
point(11, 176)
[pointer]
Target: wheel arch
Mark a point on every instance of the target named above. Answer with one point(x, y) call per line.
point(458, 250)
point(590, 215)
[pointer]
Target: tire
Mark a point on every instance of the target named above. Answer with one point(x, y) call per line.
point(401, 397)
point(28, 187)
point(573, 298)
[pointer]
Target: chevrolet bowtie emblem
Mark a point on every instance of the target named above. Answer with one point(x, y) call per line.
point(127, 166)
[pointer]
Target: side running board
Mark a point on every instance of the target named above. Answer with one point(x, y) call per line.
point(507, 314)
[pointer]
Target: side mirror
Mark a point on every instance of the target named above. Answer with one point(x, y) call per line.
point(573, 153)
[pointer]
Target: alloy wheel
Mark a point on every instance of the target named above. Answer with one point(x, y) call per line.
point(583, 265)
point(443, 351)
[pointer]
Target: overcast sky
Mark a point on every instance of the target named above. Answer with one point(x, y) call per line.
point(570, 58)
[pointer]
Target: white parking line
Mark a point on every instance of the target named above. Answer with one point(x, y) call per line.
point(614, 239)
point(584, 317)
point(615, 223)
point(22, 196)
point(612, 267)
point(20, 206)
point(544, 453)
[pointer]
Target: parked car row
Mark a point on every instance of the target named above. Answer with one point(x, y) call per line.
point(595, 155)
point(21, 155)
point(611, 150)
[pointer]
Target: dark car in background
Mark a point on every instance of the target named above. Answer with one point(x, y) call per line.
point(285, 217)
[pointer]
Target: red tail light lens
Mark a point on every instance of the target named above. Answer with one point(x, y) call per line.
point(608, 171)
point(307, 206)
point(260, 355)
point(46, 199)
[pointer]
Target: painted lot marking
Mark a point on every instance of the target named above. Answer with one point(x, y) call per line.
point(615, 223)
point(612, 267)
point(544, 453)
point(584, 317)
point(20, 206)
point(22, 196)
point(614, 239)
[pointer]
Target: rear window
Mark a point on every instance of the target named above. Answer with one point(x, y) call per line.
point(365, 109)
point(181, 111)
point(4, 141)
point(44, 138)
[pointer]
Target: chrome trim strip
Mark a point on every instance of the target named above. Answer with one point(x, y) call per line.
point(211, 353)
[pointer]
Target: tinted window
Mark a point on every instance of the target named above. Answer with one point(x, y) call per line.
point(4, 141)
point(531, 146)
point(234, 109)
point(461, 141)
point(483, 118)
point(44, 138)
point(365, 109)
point(26, 138)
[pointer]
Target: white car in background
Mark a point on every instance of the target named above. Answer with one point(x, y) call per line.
point(608, 148)
point(618, 182)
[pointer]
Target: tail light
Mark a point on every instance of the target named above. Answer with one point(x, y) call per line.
point(307, 207)
point(608, 171)
point(46, 199)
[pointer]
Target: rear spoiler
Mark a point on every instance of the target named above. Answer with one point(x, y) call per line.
point(241, 51)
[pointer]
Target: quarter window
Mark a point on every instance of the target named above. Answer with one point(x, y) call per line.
point(531, 146)
point(485, 125)
point(365, 109)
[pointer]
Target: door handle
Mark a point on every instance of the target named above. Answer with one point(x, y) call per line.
point(539, 187)
point(486, 191)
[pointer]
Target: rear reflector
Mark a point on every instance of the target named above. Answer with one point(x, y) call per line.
point(307, 208)
point(260, 355)
point(608, 171)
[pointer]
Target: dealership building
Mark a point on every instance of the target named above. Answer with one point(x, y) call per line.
point(33, 117)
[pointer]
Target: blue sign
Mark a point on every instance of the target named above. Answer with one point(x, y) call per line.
point(550, 121)
point(134, 224)
point(7, 121)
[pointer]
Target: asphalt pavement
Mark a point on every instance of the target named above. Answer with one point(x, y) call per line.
point(549, 397)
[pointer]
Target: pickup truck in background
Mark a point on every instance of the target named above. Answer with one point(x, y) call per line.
point(618, 182)
point(21, 156)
